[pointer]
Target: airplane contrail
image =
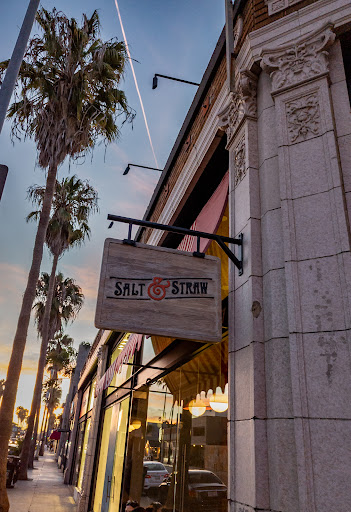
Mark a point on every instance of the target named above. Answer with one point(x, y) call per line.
point(136, 83)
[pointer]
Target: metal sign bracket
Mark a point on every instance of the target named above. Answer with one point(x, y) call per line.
point(221, 240)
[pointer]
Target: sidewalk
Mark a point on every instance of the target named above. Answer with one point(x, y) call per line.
point(45, 493)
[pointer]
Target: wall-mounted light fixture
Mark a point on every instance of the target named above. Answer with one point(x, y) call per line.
point(155, 80)
point(127, 169)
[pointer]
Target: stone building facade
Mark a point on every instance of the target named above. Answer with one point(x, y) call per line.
point(282, 120)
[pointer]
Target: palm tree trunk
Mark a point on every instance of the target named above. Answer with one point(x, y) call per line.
point(40, 373)
point(19, 342)
point(34, 441)
point(41, 434)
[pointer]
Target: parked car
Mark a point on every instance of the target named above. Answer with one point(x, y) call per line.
point(155, 473)
point(13, 463)
point(206, 492)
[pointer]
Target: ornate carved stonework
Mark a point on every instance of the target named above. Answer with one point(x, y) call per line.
point(291, 65)
point(303, 117)
point(278, 5)
point(239, 162)
point(242, 103)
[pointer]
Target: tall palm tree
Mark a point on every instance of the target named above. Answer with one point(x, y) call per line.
point(65, 299)
point(69, 99)
point(73, 202)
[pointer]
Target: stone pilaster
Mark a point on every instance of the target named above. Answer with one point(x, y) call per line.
point(317, 270)
point(93, 436)
point(248, 482)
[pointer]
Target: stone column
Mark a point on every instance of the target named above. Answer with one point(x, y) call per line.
point(317, 271)
point(247, 443)
point(93, 436)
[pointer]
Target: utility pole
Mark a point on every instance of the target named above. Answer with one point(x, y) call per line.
point(8, 84)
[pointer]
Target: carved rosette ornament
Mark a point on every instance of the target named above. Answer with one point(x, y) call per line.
point(291, 65)
point(242, 103)
point(303, 118)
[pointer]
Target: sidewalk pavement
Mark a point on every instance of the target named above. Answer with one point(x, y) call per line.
point(45, 493)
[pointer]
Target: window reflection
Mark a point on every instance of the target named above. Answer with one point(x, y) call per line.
point(177, 443)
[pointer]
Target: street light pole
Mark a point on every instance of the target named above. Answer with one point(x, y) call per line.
point(127, 169)
point(8, 84)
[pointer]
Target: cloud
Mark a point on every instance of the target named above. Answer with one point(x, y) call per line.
point(13, 280)
point(143, 184)
point(86, 277)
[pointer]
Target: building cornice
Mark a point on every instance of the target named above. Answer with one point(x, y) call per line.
point(292, 27)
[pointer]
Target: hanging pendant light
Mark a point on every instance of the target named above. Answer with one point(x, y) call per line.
point(219, 400)
point(197, 407)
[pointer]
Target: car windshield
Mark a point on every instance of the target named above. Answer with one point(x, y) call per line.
point(154, 467)
point(203, 477)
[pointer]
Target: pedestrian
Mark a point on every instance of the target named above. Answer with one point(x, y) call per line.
point(154, 507)
point(131, 505)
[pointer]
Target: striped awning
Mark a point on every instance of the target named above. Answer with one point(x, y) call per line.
point(133, 344)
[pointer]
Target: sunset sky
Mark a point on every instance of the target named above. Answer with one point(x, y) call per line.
point(174, 37)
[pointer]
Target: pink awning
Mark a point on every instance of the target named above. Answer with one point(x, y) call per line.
point(133, 344)
point(209, 218)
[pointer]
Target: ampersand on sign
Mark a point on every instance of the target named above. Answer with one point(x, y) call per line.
point(156, 290)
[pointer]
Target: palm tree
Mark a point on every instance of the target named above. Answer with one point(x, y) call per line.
point(73, 202)
point(61, 355)
point(66, 300)
point(69, 99)
point(52, 394)
point(21, 414)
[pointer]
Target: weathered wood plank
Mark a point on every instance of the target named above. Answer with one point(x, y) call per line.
point(155, 290)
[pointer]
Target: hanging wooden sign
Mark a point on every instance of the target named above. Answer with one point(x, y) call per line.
point(155, 290)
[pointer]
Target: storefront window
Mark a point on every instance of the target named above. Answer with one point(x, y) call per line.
point(91, 394)
point(177, 444)
point(111, 458)
point(83, 454)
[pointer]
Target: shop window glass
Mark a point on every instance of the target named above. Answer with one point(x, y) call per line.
point(177, 454)
point(78, 453)
point(111, 458)
point(100, 477)
point(84, 452)
point(91, 394)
